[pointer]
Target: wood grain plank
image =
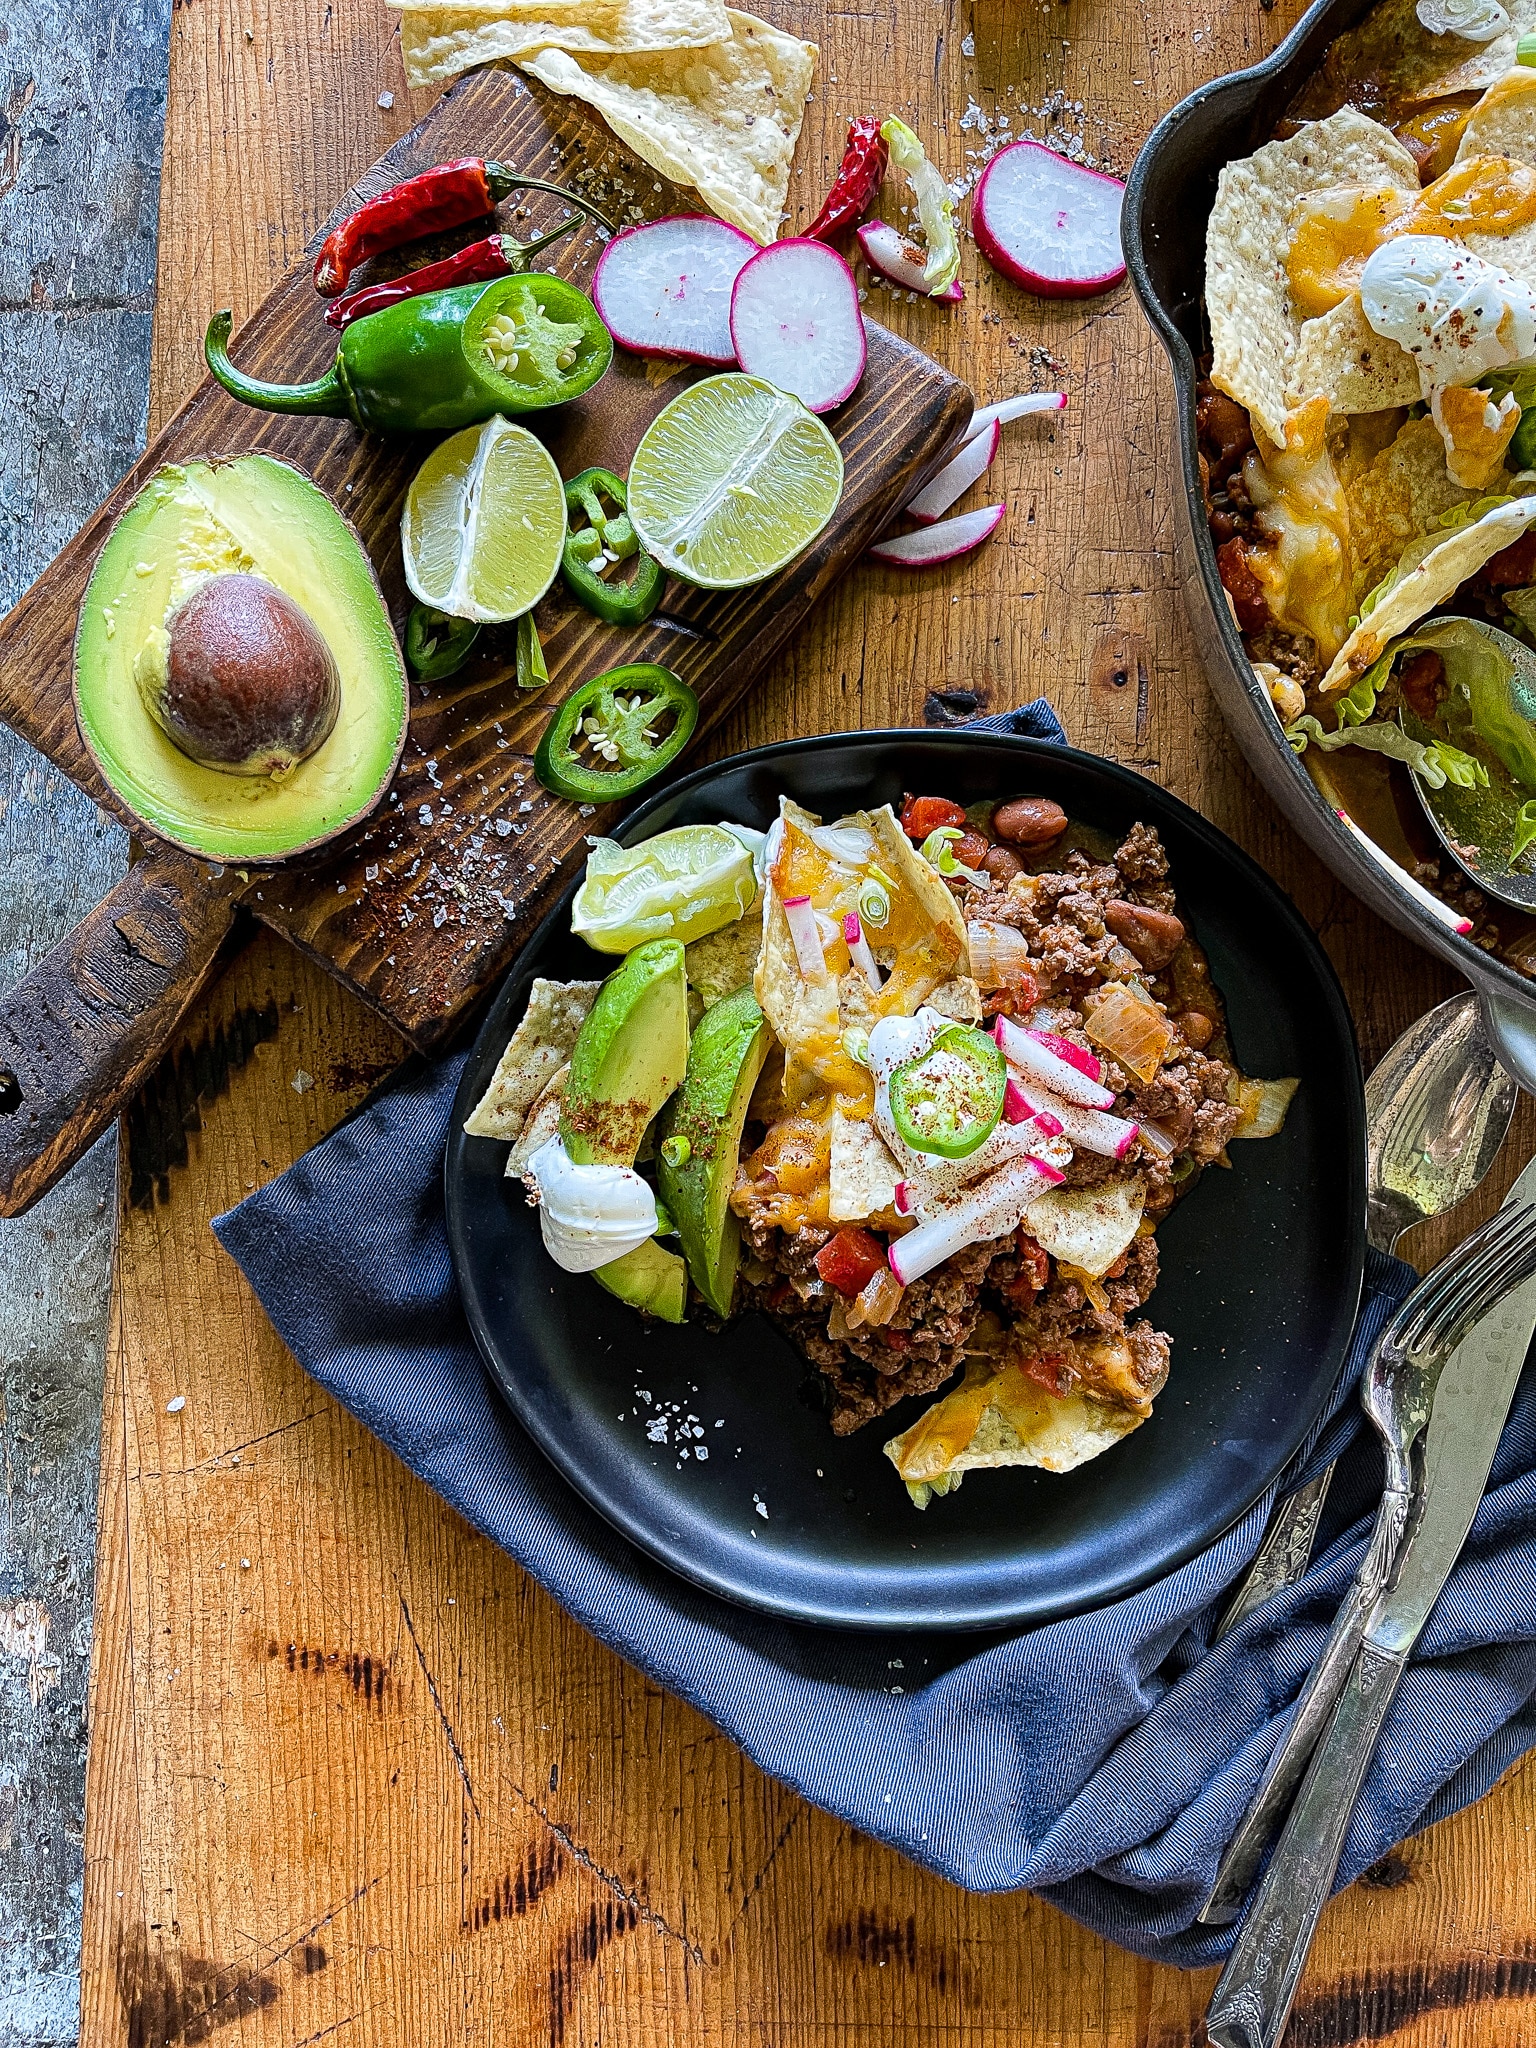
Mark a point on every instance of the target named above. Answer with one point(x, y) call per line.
point(329, 1869)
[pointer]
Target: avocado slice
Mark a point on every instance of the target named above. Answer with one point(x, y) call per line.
point(237, 517)
point(649, 1278)
point(729, 1046)
point(630, 1055)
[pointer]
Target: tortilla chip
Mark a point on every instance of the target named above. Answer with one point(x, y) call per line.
point(1340, 356)
point(542, 1042)
point(1397, 499)
point(543, 1123)
point(960, 998)
point(999, 1416)
point(1437, 577)
point(1503, 123)
point(724, 961)
point(724, 120)
point(1255, 330)
point(438, 42)
point(902, 861)
point(1088, 1227)
point(864, 1175)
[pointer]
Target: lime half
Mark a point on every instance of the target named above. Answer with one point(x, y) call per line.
point(484, 523)
point(679, 885)
point(731, 481)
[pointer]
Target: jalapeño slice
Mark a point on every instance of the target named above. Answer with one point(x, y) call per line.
point(614, 733)
point(947, 1101)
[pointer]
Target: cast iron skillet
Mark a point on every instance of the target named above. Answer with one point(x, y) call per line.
point(1167, 204)
point(1261, 1275)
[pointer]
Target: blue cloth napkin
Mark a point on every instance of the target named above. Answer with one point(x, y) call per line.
point(1103, 1762)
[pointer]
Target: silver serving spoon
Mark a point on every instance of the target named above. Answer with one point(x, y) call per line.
point(1478, 827)
point(1437, 1107)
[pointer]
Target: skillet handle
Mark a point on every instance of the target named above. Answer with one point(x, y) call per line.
point(92, 1018)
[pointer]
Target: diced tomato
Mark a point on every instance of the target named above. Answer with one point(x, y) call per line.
point(1034, 1259)
point(971, 849)
point(1242, 586)
point(780, 1294)
point(851, 1259)
point(1113, 1272)
point(897, 1340)
point(921, 815)
point(1016, 1000)
point(1051, 1370)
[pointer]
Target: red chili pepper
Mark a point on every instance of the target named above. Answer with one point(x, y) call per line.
point(496, 256)
point(851, 1260)
point(858, 179)
point(921, 815)
point(444, 197)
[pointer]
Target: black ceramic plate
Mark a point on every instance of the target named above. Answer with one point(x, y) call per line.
point(1261, 1274)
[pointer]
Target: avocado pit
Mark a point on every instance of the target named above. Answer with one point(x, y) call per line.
point(250, 686)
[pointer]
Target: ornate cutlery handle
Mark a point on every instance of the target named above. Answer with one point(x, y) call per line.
point(1284, 1554)
point(1253, 1999)
point(1245, 1851)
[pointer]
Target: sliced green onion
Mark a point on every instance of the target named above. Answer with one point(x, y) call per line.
point(1525, 50)
point(938, 848)
point(874, 903)
point(856, 1044)
point(676, 1151)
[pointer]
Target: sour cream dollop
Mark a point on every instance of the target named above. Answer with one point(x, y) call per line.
point(589, 1215)
point(1456, 315)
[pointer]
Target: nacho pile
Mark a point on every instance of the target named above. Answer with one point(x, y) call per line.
point(1368, 428)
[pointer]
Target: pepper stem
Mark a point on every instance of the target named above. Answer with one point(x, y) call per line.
point(327, 394)
point(504, 179)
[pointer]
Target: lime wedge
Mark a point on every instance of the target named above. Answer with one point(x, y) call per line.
point(731, 481)
point(679, 885)
point(484, 523)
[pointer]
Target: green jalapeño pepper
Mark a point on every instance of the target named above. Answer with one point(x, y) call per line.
point(436, 643)
point(448, 359)
point(948, 1100)
point(606, 539)
point(606, 740)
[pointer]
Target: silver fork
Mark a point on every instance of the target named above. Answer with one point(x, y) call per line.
point(1398, 1395)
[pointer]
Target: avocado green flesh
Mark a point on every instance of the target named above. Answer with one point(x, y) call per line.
point(649, 1278)
point(729, 1046)
point(631, 1054)
point(203, 519)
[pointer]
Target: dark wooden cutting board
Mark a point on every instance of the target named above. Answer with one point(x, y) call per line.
point(426, 905)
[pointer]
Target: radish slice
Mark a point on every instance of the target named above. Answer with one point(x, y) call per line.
point(1092, 1130)
point(956, 477)
point(996, 1206)
point(664, 289)
point(806, 934)
point(859, 950)
point(887, 250)
point(1015, 409)
point(1077, 1056)
point(1050, 225)
point(931, 545)
point(1036, 1061)
point(795, 322)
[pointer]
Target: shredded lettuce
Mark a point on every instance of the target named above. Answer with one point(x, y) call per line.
point(1525, 830)
point(1522, 383)
point(1472, 511)
point(935, 205)
point(1435, 764)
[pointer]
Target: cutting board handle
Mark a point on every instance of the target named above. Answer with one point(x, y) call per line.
point(89, 1022)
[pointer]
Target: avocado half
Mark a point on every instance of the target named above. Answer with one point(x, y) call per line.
point(192, 521)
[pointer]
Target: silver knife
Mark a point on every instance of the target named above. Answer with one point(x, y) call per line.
point(1253, 1999)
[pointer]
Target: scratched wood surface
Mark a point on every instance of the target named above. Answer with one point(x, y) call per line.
point(352, 1774)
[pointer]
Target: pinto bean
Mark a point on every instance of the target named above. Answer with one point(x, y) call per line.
point(1154, 936)
point(1029, 821)
point(1002, 864)
point(1197, 1027)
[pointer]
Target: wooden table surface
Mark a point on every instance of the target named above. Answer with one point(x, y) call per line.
point(351, 1772)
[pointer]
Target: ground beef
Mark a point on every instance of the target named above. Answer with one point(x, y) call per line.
point(869, 1371)
point(1061, 1337)
point(1294, 656)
